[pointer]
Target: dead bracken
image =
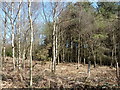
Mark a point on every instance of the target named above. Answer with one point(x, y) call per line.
point(67, 76)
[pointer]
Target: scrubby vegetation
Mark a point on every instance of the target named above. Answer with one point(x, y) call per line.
point(60, 44)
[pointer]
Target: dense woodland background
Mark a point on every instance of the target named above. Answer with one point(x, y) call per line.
point(60, 32)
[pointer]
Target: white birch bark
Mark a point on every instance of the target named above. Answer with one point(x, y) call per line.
point(4, 40)
point(56, 42)
point(78, 52)
point(89, 64)
point(19, 51)
point(54, 48)
point(13, 47)
point(31, 41)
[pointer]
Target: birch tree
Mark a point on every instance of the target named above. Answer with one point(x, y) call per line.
point(12, 24)
point(56, 11)
point(31, 41)
point(13, 20)
point(54, 42)
point(19, 46)
point(4, 38)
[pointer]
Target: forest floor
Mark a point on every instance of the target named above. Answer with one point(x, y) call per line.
point(67, 76)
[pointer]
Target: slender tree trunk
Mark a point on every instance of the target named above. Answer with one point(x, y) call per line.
point(79, 40)
point(84, 60)
point(118, 73)
point(4, 40)
point(117, 70)
point(100, 61)
point(63, 49)
point(1, 60)
point(24, 52)
point(84, 54)
point(13, 47)
point(114, 46)
point(31, 41)
point(58, 59)
point(78, 58)
point(19, 47)
point(63, 54)
point(112, 57)
point(56, 41)
point(78, 53)
point(71, 59)
point(58, 47)
point(23, 59)
point(94, 57)
point(54, 48)
point(94, 61)
point(117, 64)
point(89, 64)
point(80, 49)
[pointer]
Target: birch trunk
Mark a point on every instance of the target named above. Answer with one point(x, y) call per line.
point(89, 64)
point(13, 47)
point(84, 55)
point(31, 41)
point(94, 61)
point(63, 54)
point(94, 57)
point(118, 73)
point(19, 51)
point(54, 48)
point(84, 61)
point(117, 70)
point(58, 46)
point(56, 42)
point(71, 49)
point(80, 48)
point(4, 40)
point(78, 52)
point(115, 48)
point(24, 52)
point(23, 61)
